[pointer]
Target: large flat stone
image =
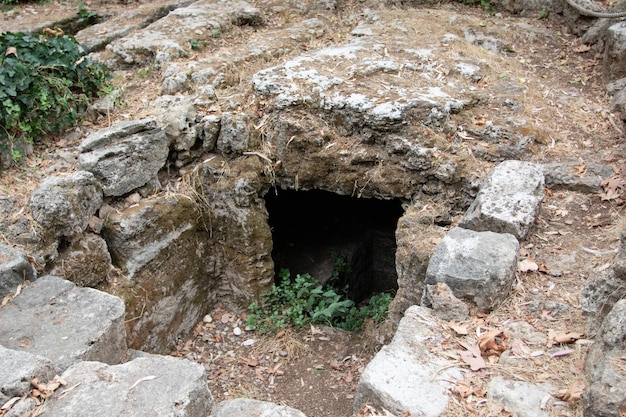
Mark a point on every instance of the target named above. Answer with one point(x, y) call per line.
point(244, 407)
point(404, 375)
point(58, 320)
point(148, 386)
point(17, 369)
point(523, 398)
point(14, 269)
point(508, 200)
point(477, 266)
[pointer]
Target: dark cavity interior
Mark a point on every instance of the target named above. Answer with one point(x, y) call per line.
point(317, 231)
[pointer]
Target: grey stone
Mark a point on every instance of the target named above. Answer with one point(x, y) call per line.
point(407, 374)
point(245, 407)
point(508, 200)
point(477, 266)
point(125, 156)
point(445, 305)
point(564, 175)
point(526, 399)
point(606, 394)
point(618, 103)
point(526, 332)
point(179, 124)
point(209, 131)
point(17, 369)
point(599, 295)
point(64, 323)
point(615, 43)
point(86, 262)
point(14, 269)
point(147, 386)
point(234, 136)
point(63, 205)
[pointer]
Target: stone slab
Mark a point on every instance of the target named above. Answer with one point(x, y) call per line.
point(404, 375)
point(508, 200)
point(17, 369)
point(245, 407)
point(477, 266)
point(58, 320)
point(148, 386)
point(523, 398)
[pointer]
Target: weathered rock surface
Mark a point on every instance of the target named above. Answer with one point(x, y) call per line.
point(405, 376)
point(444, 304)
point(615, 42)
point(523, 398)
point(477, 266)
point(245, 407)
point(17, 369)
point(234, 136)
point(64, 323)
point(168, 38)
point(508, 200)
point(148, 386)
point(14, 269)
point(566, 175)
point(125, 156)
point(86, 262)
point(606, 394)
point(63, 205)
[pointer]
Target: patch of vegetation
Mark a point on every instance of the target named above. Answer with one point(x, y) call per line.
point(45, 84)
point(86, 17)
point(485, 4)
point(303, 301)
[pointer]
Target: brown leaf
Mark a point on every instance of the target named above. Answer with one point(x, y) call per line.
point(335, 365)
point(463, 389)
point(613, 188)
point(11, 50)
point(460, 329)
point(472, 356)
point(526, 265)
point(582, 48)
point(561, 336)
point(492, 343)
point(573, 393)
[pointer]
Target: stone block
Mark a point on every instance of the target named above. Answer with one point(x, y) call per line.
point(408, 375)
point(14, 269)
point(145, 387)
point(17, 369)
point(58, 320)
point(508, 200)
point(248, 407)
point(477, 266)
point(523, 398)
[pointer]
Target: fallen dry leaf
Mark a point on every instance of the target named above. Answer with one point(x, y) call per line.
point(560, 336)
point(472, 356)
point(613, 188)
point(527, 265)
point(463, 389)
point(460, 329)
point(582, 48)
point(11, 50)
point(573, 393)
point(492, 343)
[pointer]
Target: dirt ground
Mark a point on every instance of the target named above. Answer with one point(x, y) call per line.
point(316, 369)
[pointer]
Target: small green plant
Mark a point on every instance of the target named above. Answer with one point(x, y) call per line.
point(194, 43)
point(86, 17)
point(303, 300)
point(215, 33)
point(45, 83)
point(485, 4)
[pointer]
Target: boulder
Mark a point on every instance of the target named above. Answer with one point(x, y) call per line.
point(64, 205)
point(14, 269)
point(606, 394)
point(56, 319)
point(523, 398)
point(17, 369)
point(148, 386)
point(125, 156)
point(234, 136)
point(508, 200)
point(615, 43)
point(86, 261)
point(409, 375)
point(179, 123)
point(477, 266)
point(567, 176)
point(245, 407)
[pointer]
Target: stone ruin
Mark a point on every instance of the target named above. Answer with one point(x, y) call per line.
point(370, 138)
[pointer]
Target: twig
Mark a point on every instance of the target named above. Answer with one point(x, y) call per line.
point(598, 252)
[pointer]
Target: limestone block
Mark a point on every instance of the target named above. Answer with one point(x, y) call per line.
point(248, 407)
point(58, 320)
point(523, 398)
point(63, 205)
point(508, 200)
point(564, 175)
point(17, 369)
point(400, 377)
point(14, 269)
point(606, 394)
point(148, 386)
point(477, 266)
point(125, 156)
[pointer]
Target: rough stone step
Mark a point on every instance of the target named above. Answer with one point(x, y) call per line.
point(245, 407)
point(508, 200)
point(17, 369)
point(58, 320)
point(407, 375)
point(149, 386)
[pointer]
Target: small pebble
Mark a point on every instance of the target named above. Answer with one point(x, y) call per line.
point(282, 353)
point(249, 328)
point(248, 342)
point(207, 319)
point(237, 331)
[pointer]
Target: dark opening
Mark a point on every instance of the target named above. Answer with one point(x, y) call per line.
point(316, 231)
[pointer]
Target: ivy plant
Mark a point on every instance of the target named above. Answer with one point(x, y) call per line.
point(45, 83)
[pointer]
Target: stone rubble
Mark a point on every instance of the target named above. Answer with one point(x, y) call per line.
point(14, 269)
